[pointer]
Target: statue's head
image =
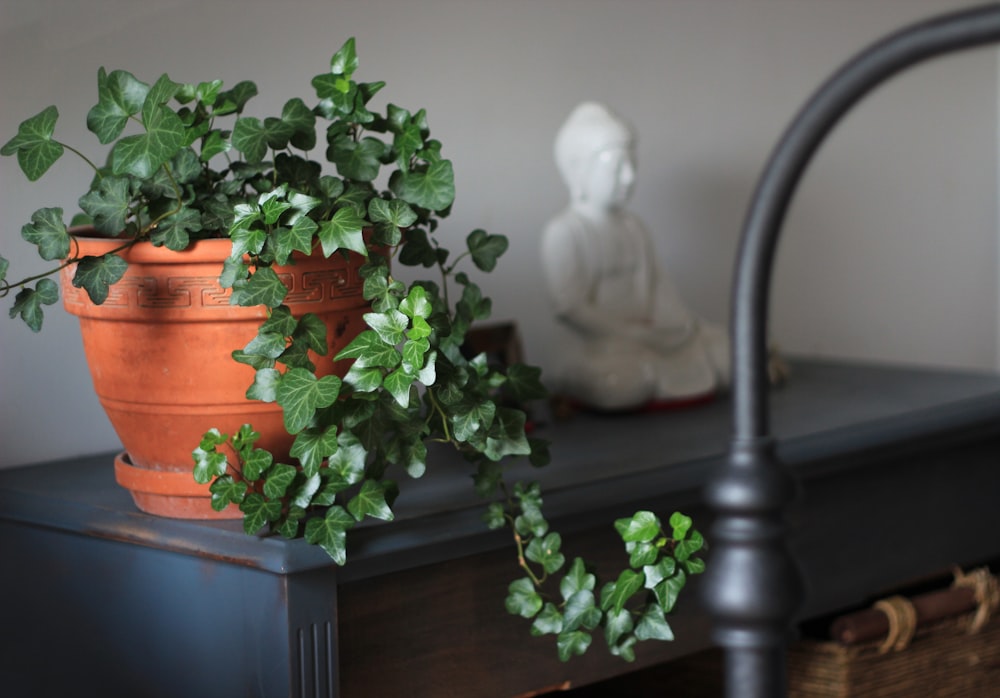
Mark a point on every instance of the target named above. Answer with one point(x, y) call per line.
point(595, 153)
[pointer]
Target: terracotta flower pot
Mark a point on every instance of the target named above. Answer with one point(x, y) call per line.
point(159, 351)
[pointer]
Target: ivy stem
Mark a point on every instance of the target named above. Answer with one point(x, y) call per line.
point(6, 288)
point(441, 414)
point(82, 157)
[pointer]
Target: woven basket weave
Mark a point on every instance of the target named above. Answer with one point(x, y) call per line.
point(957, 656)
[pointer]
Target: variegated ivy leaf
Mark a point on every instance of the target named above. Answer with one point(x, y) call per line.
point(372, 501)
point(470, 416)
point(48, 232)
point(35, 148)
point(389, 216)
point(391, 325)
point(96, 274)
point(264, 287)
point(369, 350)
point(344, 230)
point(142, 154)
point(416, 303)
point(313, 446)
point(300, 394)
point(265, 384)
point(330, 532)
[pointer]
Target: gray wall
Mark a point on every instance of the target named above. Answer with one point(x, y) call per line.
point(890, 252)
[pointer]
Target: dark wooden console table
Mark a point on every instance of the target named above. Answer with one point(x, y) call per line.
point(900, 474)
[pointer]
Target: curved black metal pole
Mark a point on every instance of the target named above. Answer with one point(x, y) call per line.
point(753, 587)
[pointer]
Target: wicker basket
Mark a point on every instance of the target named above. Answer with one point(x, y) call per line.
point(920, 656)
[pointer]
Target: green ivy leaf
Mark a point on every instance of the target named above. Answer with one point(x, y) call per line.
point(358, 160)
point(548, 622)
point(258, 511)
point(577, 579)
point(250, 138)
point(313, 446)
point(297, 238)
point(300, 394)
point(49, 233)
point(643, 526)
point(506, 435)
point(525, 383)
point(96, 274)
point(208, 463)
point(469, 416)
point(225, 491)
point(398, 385)
point(495, 518)
point(29, 301)
point(109, 204)
point(265, 385)
point(311, 331)
point(616, 594)
point(486, 248)
point(433, 188)
point(142, 154)
point(302, 121)
point(330, 533)
point(665, 567)
point(573, 642)
point(522, 599)
point(581, 612)
point(363, 380)
point(345, 61)
point(348, 462)
point(545, 551)
point(680, 524)
point(653, 625)
point(264, 287)
point(390, 325)
point(235, 100)
point(344, 230)
point(616, 626)
point(368, 349)
point(279, 479)
point(120, 95)
point(257, 462)
point(174, 232)
point(668, 590)
point(371, 501)
point(36, 151)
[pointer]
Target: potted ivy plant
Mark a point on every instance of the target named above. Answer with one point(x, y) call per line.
point(336, 375)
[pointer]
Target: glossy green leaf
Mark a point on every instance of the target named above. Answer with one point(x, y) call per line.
point(142, 154)
point(48, 232)
point(300, 394)
point(370, 501)
point(265, 385)
point(522, 599)
point(264, 287)
point(370, 350)
point(174, 231)
point(29, 301)
point(330, 533)
point(643, 526)
point(390, 325)
point(486, 248)
point(109, 204)
point(398, 384)
point(279, 479)
point(35, 148)
point(227, 490)
point(617, 625)
point(548, 622)
point(680, 524)
point(668, 590)
point(345, 61)
point(363, 380)
point(344, 231)
point(256, 463)
point(358, 160)
point(545, 551)
point(433, 188)
point(506, 435)
point(472, 415)
point(653, 625)
point(616, 594)
point(313, 446)
point(96, 274)
point(656, 573)
point(581, 611)
point(573, 642)
point(258, 511)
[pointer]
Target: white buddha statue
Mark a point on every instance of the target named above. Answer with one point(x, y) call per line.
point(633, 342)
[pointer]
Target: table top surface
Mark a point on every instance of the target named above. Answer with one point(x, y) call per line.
point(826, 408)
